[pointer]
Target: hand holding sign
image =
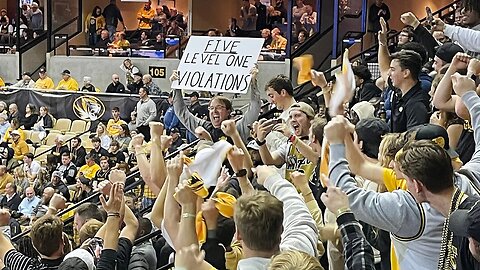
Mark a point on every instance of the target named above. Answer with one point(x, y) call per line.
point(218, 64)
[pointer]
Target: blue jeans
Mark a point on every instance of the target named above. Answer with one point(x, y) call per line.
point(92, 39)
point(111, 31)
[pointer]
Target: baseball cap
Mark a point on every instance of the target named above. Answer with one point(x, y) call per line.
point(79, 259)
point(34, 4)
point(57, 174)
point(193, 94)
point(15, 132)
point(364, 109)
point(42, 70)
point(27, 74)
point(66, 72)
point(447, 51)
point(437, 134)
point(371, 131)
point(137, 74)
point(466, 222)
point(303, 107)
point(253, 145)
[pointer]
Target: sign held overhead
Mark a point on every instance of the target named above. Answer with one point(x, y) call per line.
point(218, 64)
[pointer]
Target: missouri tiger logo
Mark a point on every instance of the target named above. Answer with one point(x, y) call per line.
point(88, 108)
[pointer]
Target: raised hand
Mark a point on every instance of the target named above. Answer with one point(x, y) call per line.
point(115, 200)
point(184, 194)
point(318, 78)
point(462, 84)
point(236, 157)
point(229, 127)
point(335, 199)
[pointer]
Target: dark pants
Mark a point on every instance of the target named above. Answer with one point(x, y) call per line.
point(145, 130)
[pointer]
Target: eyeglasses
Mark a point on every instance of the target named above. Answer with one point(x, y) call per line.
point(216, 108)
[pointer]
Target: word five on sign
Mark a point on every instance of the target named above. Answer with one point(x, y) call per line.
point(157, 72)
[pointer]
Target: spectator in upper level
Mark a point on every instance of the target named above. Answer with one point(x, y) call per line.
point(261, 15)
point(2, 83)
point(104, 40)
point(58, 185)
point(5, 178)
point(120, 41)
point(278, 41)
point(44, 82)
point(124, 138)
point(144, 39)
point(59, 149)
point(6, 31)
point(149, 85)
point(175, 29)
point(31, 167)
point(14, 125)
point(36, 18)
point(299, 9)
point(309, 19)
point(90, 168)
point(102, 134)
point(136, 84)
point(130, 69)
point(277, 13)
point(376, 11)
point(248, 16)
point(112, 15)
point(302, 36)
point(159, 42)
point(115, 86)
point(266, 35)
point(88, 86)
point(145, 16)
point(146, 112)
point(67, 82)
point(3, 14)
point(94, 24)
point(67, 169)
point(30, 118)
point(233, 28)
point(25, 82)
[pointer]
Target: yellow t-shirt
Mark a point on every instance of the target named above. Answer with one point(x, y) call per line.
point(113, 128)
point(70, 84)
point(89, 171)
point(46, 83)
point(2, 83)
point(391, 182)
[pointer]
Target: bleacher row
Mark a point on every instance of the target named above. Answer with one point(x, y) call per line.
point(63, 126)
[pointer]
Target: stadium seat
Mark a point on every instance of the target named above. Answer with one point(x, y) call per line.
point(62, 124)
point(35, 137)
point(28, 134)
point(69, 135)
point(40, 156)
point(78, 126)
point(50, 139)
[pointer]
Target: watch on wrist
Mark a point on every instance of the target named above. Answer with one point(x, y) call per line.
point(259, 143)
point(241, 173)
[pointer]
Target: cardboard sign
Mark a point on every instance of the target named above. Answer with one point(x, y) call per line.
point(218, 64)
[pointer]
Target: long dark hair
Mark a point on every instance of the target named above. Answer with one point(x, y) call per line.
point(94, 13)
point(126, 130)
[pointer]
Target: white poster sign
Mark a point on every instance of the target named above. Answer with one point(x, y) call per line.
point(218, 64)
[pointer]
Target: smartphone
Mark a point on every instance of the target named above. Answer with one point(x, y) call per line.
point(429, 15)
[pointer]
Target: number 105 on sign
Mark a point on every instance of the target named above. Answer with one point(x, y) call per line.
point(157, 72)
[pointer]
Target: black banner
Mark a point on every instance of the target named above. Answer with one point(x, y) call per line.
point(74, 105)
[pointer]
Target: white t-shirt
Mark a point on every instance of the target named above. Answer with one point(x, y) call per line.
point(34, 167)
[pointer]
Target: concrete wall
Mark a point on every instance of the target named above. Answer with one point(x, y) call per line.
point(9, 74)
point(100, 69)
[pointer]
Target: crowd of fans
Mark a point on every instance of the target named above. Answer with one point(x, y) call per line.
point(383, 176)
point(31, 24)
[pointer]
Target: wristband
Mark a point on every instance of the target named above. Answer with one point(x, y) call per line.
point(188, 215)
point(259, 143)
point(113, 214)
point(241, 173)
point(342, 211)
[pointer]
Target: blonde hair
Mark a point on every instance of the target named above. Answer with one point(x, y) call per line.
point(389, 146)
point(89, 229)
point(294, 259)
point(259, 219)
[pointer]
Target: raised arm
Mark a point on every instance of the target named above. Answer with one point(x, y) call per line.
point(159, 205)
point(172, 209)
point(384, 58)
point(253, 110)
point(158, 170)
point(300, 231)
point(131, 225)
point(467, 38)
point(263, 128)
